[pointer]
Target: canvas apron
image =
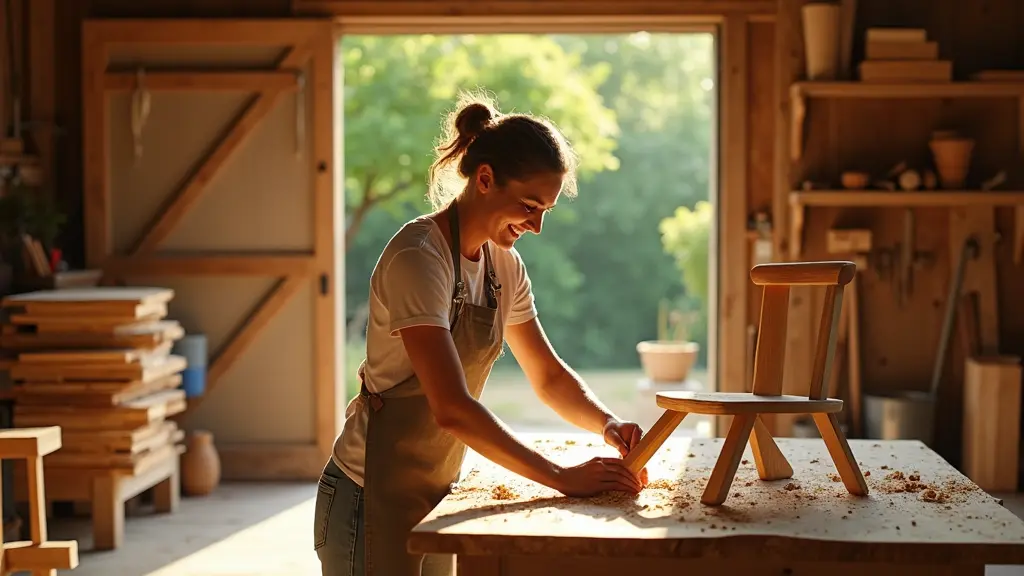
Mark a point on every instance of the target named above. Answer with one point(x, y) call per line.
point(411, 463)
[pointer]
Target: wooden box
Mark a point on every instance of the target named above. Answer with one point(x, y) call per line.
point(848, 241)
point(991, 427)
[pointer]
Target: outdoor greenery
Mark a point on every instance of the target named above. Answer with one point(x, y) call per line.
point(639, 110)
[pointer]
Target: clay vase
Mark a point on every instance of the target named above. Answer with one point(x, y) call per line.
point(821, 40)
point(952, 160)
point(200, 465)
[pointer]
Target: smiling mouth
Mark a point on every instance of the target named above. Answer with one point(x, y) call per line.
point(516, 231)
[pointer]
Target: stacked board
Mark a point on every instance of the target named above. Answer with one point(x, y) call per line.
point(97, 362)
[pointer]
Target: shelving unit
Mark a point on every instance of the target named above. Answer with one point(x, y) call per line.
point(801, 91)
point(800, 200)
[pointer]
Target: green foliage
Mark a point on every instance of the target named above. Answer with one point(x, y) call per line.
point(638, 110)
point(686, 235)
point(397, 89)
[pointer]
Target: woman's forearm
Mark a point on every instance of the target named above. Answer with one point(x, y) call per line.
point(479, 429)
point(572, 399)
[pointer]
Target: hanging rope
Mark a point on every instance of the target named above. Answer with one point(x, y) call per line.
point(140, 110)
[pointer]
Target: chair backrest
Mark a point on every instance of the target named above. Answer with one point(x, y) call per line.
point(777, 279)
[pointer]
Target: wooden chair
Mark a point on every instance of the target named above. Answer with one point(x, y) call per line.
point(766, 397)
point(40, 556)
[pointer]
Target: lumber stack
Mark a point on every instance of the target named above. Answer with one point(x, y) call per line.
point(97, 362)
point(903, 55)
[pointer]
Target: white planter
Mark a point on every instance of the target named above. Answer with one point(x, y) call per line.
point(667, 361)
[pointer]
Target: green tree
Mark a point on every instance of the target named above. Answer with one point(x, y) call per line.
point(599, 269)
point(398, 87)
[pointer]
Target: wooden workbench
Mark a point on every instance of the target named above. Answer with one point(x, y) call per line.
point(921, 517)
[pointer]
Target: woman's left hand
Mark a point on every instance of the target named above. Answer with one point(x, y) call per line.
point(624, 436)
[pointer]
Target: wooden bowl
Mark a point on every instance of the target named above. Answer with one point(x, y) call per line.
point(855, 180)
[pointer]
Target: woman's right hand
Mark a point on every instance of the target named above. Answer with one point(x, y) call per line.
point(597, 475)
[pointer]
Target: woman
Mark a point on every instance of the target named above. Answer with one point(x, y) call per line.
point(447, 291)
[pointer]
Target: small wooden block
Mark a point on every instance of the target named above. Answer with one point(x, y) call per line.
point(29, 557)
point(29, 442)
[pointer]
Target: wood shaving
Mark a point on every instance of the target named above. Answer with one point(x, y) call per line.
point(502, 492)
point(792, 486)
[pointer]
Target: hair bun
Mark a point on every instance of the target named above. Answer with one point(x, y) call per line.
point(473, 120)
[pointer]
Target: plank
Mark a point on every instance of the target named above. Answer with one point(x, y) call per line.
point(109, 295)
point(131, 441)
point(146, 372)
point(139, 335)
point(94, 356)
point(744, 403)
point(921, 509)
point(95, 394)
point(132, 415)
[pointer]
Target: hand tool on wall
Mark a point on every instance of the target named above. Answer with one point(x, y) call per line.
point(969, 251)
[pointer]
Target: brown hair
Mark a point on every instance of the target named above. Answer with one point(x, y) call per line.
point(515, 146)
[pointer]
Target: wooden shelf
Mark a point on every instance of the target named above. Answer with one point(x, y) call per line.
point(800, 200)
point(799, 92)
point(883, 198)
point(907, 90)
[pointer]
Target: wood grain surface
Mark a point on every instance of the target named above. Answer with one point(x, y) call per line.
point(920, 509)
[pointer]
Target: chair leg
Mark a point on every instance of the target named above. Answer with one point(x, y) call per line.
point(771, 462)
point(717, 489)
point(655, 437)
point(842, 456)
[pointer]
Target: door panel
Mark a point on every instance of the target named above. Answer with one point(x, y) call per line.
point(232, 203)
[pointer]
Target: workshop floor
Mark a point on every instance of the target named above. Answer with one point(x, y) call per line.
point(243, 529)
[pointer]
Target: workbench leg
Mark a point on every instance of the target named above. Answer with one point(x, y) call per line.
point(842, 456)
point(167, 494)
point(107, 513)
point(771, 462)
point(717, 489)
point(650, 442)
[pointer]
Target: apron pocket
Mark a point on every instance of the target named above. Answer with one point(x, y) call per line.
point(322, 512)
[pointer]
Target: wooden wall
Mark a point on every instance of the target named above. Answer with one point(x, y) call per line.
point(899, 343)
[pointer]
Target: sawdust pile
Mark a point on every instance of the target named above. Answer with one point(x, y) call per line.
point(897, 482)
point(502, 492)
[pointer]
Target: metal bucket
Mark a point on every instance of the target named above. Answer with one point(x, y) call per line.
point(904, 415)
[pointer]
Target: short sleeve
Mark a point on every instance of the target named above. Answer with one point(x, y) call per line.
point(524, 308)
point(415, 289)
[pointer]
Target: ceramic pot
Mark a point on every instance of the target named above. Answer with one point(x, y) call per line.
point(667, 361)
point(200, 465)
point(952, 160)
point(821, 40)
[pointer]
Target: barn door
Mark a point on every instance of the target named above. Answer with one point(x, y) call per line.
point(224, 190)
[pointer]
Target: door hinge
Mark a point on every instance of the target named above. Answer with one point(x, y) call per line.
point(325, 284)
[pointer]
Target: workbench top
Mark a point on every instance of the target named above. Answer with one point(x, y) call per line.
point(920, 508)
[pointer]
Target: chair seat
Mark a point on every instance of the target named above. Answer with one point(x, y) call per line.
point(745, 403)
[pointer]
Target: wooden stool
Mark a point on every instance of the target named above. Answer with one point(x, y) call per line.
point(767, 397)
point(39, 557)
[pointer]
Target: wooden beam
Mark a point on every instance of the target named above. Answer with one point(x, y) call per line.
point(405, 24)
point(259, 264)
point(248, 330)
point(328, 221)
point(733, 263)
point(95, 140)
point(528, 8)
point(179, 204)
point(41, 15)
point(208, 31)
point(195, 80)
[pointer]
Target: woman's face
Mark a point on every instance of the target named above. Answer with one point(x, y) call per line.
point(519, 206)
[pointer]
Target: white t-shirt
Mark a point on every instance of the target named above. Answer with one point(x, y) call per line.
point(412, 285)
